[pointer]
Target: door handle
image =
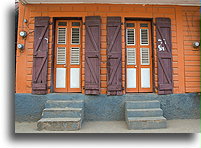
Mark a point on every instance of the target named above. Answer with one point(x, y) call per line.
point(64, 65)
point(135, 66)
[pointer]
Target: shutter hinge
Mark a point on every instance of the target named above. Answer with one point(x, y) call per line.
point(50, 23)
point(154, 24)
point(84, 23)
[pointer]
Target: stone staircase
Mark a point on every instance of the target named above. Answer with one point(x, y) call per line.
point(145, 114)
point(62, 115)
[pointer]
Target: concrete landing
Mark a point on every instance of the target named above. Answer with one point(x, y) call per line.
point(173, 126)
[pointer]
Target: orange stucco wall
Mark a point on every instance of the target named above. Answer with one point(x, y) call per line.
point(185, 30)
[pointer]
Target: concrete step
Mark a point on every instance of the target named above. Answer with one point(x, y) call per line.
point(142, 104)
point(141, 96)
point(59, 124)
point(146, 122)
point(64, 103)
point(150, 112)
point(62, 113)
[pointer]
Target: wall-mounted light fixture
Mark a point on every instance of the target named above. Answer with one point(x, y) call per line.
point(23, 34)
point(20, 46)
point(196, 44)
point(25, 20)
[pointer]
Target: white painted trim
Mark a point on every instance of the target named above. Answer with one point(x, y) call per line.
point(23, 2)
point(142, 2)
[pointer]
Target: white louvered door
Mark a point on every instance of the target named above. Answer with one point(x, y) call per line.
point(138, 56)
point(67, 56)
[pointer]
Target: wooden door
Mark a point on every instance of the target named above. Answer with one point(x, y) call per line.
point(67, 63)
point(138, 56)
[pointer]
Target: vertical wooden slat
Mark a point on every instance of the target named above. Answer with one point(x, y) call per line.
point(40, 55)
point(53, 55)
point(92, 55)
point(114, 56)
point(180, 36)
point(164, 51)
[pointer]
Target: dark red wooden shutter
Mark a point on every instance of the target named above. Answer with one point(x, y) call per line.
point(114, 56)
point(92, 55)
point(164, 53)
point(40, 55)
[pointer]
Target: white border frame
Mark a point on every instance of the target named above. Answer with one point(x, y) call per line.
point(58, 36)
point(127, 56)
point(127, 36)
point(57, 55)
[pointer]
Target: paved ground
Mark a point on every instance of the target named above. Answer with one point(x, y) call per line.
point(173, 126)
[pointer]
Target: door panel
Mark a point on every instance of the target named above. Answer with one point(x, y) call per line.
point(60, 77)
point(68, 56)
point(138, 55)
point(74, 78)
point(145, 77)
point(131, 77)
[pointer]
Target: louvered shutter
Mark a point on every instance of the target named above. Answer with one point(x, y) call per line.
point(61, 36)
point(144, 53)
point(131, 56)
point(130, 36)
point(61, 55)
point(75, 36)
point(114, 56)
point(75, 56)
point(164, 53)
point(40, 55)
point(92, 55)
point(144, 37)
